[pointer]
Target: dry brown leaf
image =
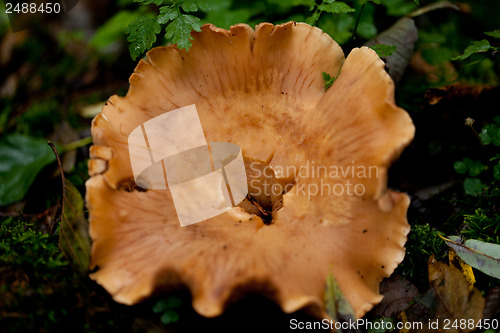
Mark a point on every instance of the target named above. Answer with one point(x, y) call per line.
point(456, 302)
point(398, 294)
point(449, 304)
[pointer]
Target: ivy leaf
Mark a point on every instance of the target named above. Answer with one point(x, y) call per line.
point(142, 35)
point(383, 51)
point(494, 33)
point(476, 47)
point(22, 158)
point(329, 80)
point(336, 8)
point(179, 31)
point(168, 13)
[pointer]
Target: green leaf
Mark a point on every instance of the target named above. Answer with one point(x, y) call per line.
point(340, 29)
point(490, 134)
point(485, 138)
point(480, 255)
point(475, 47)
point(329, 80)
point(383, 50)
point(468, 162)
point(313, 18)
point(494, 33)
point(142, 35)
point(476, 168)
point(336, 305)
point(160, 306)
point(189, 6)
point(179, 31)
point(496, 171)
point(403, 34)
point(168, 14)
point(473, 186)
point(74, 239)
point(460, 167)
point(22, 158)
point(165, 304)
point(336, 8)
point(169, 316)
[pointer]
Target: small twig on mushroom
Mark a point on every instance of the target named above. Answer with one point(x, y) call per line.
point(266, 217)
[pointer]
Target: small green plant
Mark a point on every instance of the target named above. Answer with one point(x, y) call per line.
point(329, 80)
point(173, 16)
point(480, 46)
point(474, 168)
point(423, 241)
point(490, 134)
point(166, 308)
point(482, 225)
point(383, 51)
point(472, 186)
point(21, 245)
point(328, 6)
point(178, 18)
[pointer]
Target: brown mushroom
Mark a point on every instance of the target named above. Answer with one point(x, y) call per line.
point(262, 90)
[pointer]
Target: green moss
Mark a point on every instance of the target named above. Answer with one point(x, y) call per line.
point(22, 246)
point(423, 242)
point(480, 216)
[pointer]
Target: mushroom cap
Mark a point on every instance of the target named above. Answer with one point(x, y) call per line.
point(262, 90)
